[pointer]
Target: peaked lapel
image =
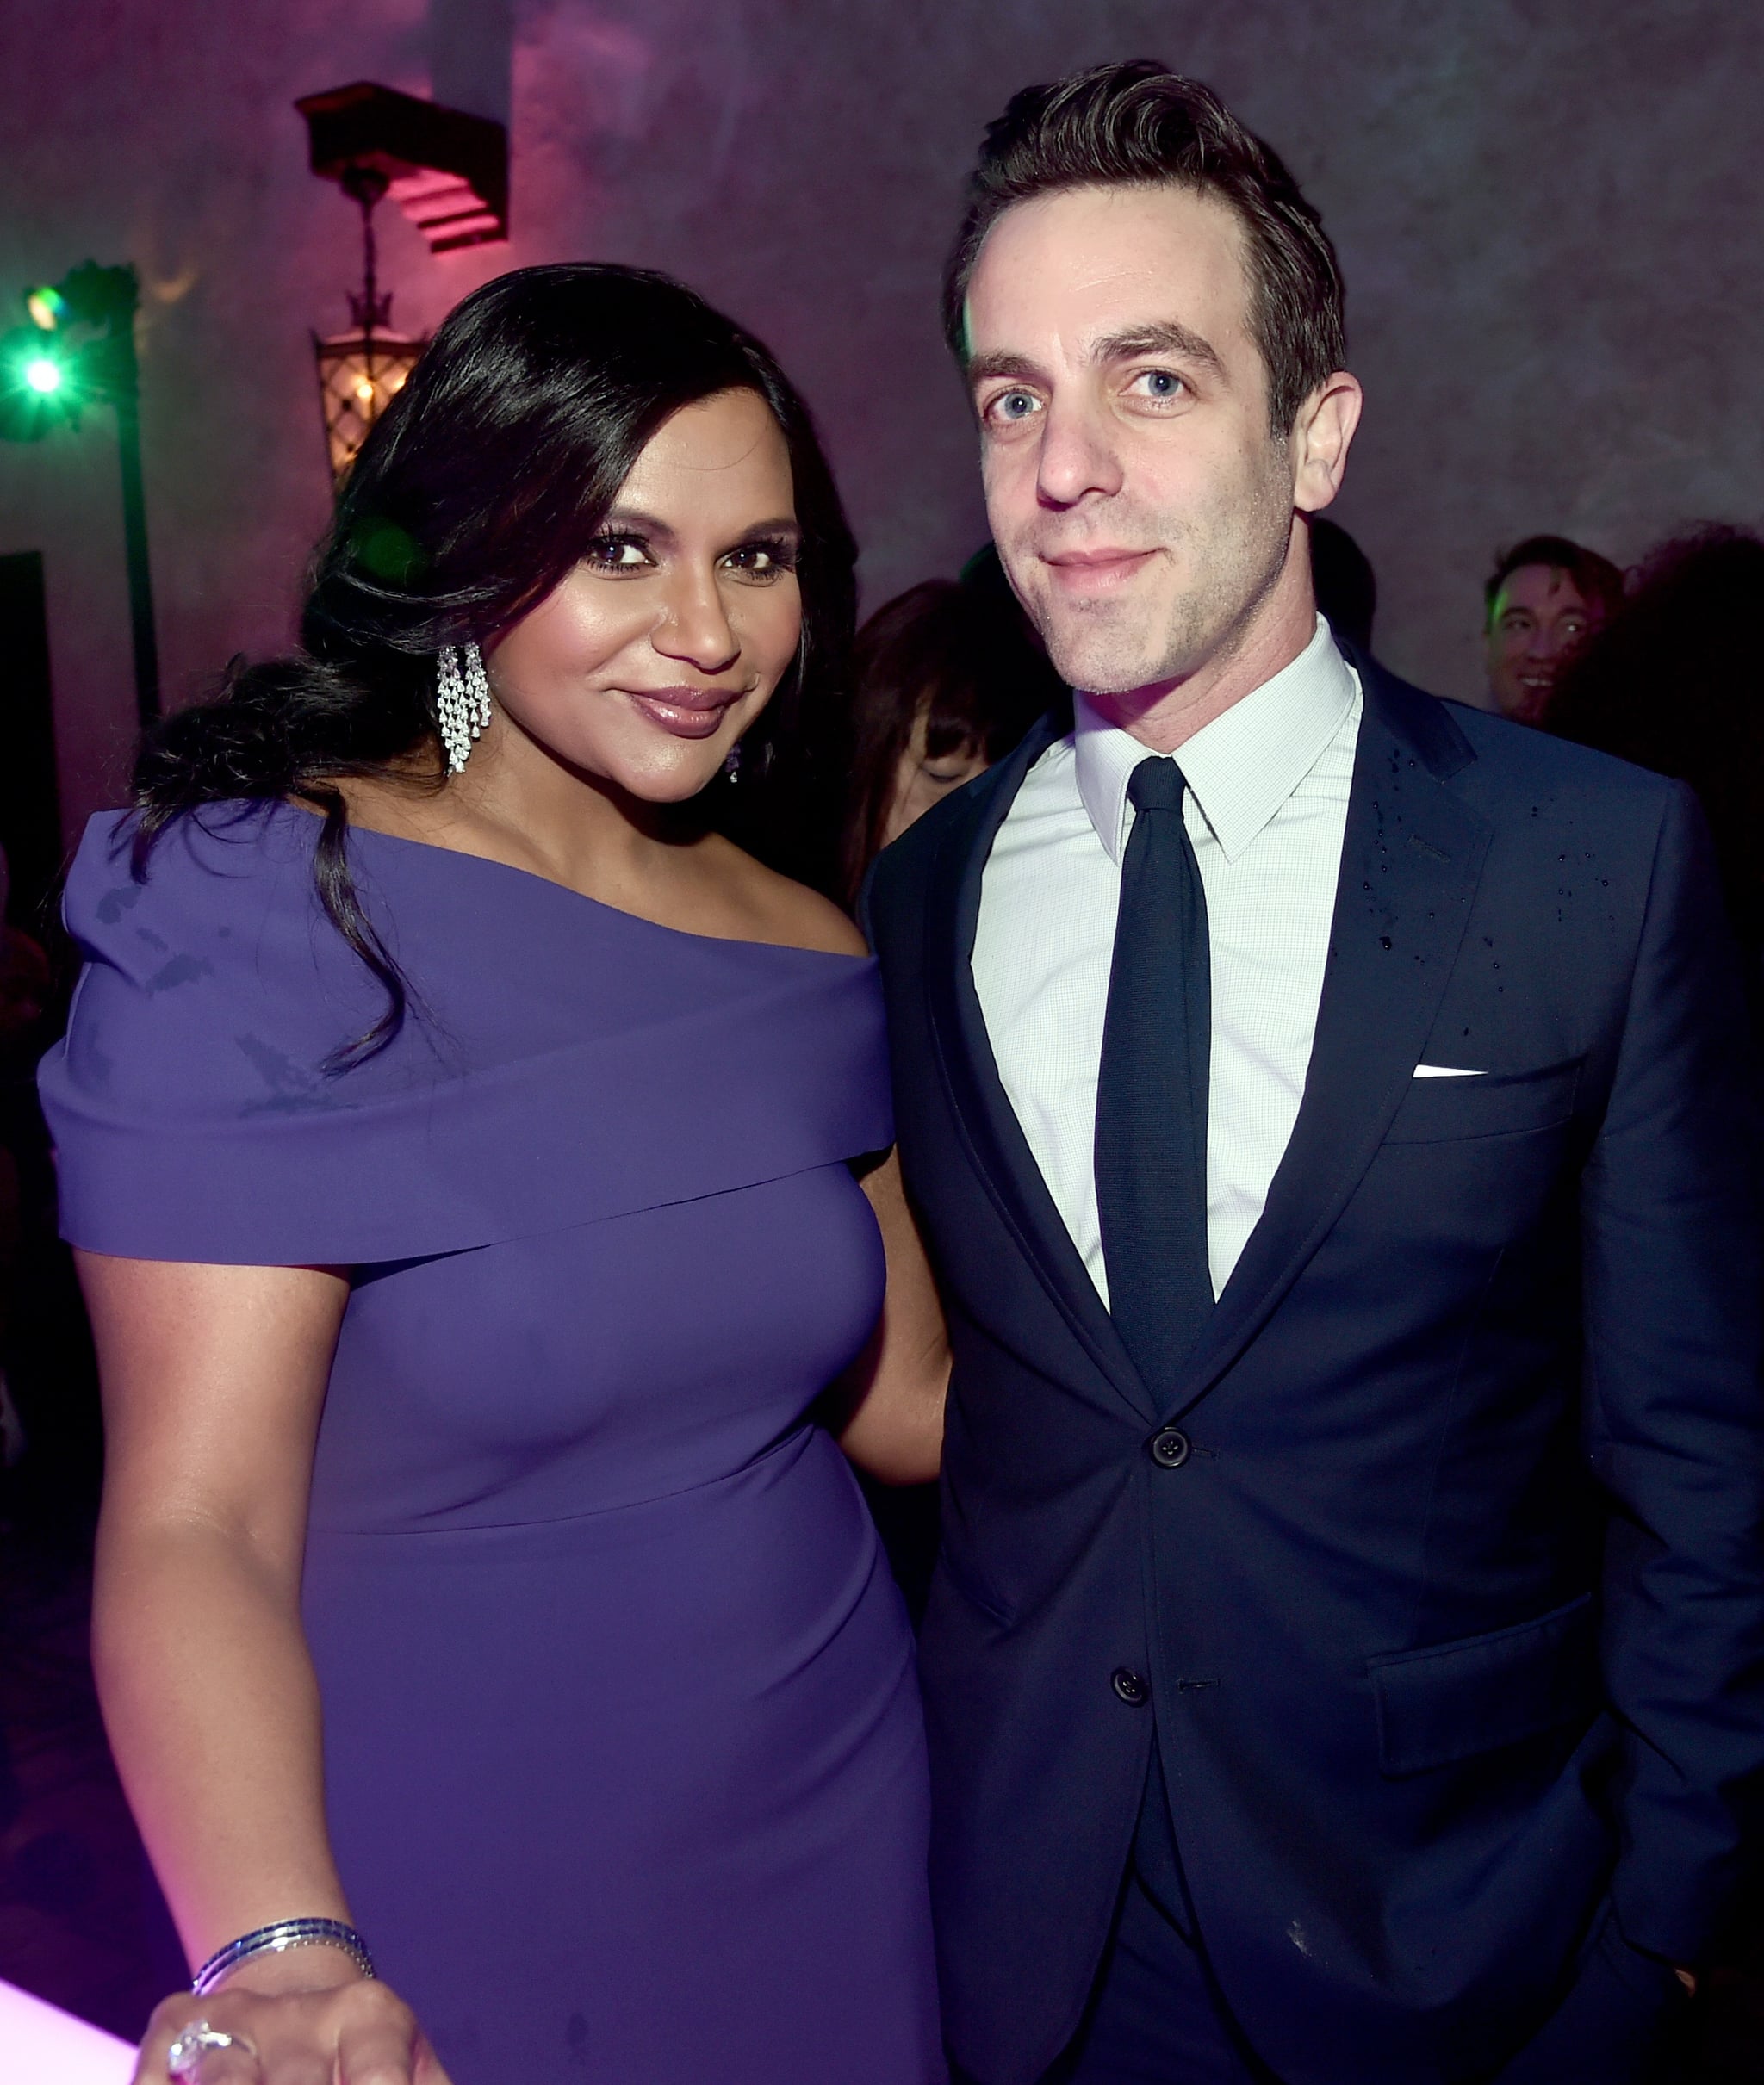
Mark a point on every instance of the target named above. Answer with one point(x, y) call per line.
point(1411, 857)
point(996, 1144)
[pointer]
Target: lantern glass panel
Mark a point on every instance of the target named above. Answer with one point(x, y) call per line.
point(359, 375)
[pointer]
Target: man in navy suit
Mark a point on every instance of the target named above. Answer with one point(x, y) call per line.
point(1329, 1110)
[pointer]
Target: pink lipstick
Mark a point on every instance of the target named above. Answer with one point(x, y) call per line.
point(686, 712)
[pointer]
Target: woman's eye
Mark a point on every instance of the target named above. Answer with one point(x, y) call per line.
point(618, 554)
point(1160, 384)
point(766, 561)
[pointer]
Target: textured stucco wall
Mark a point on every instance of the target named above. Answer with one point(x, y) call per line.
point(1548, 211)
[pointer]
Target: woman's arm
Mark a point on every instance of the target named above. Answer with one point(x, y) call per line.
point(213, 1378)
point(891, 1398)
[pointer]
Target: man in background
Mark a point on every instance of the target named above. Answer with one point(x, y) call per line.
point(1541, 602)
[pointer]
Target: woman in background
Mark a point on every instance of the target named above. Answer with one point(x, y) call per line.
point(475, 1163)
point(946, 678)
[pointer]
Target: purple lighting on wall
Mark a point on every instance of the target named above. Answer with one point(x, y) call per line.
point(447, 171)
point(446, 210)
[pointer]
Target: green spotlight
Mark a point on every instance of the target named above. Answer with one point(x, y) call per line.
point(41, 385)
point(73, 350)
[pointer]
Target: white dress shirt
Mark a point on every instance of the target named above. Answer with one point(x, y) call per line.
point(1266, 811)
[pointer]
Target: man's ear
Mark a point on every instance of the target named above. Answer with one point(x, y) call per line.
point(1321, 436)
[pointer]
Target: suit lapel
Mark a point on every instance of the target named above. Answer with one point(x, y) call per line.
point(995, 1146)
point(1412, 856)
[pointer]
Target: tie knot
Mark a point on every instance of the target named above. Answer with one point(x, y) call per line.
point(1157, 783)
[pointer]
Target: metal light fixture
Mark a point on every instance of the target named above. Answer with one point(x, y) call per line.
point(447, 171)
point(362, 370)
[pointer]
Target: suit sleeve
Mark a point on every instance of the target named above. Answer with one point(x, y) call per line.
point(866, 891)
point(1674, 1283)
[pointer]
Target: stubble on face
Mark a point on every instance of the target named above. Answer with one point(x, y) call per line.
point(1215, 563)
point(1199, 489)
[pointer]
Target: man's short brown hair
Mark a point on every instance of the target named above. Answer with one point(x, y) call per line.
point(1138, 125)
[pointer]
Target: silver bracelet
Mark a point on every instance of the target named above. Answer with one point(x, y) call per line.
point(277, 1940)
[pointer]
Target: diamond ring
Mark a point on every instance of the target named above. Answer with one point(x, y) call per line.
point(184, 2057)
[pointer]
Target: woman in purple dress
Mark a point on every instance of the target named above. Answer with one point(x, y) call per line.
point(475, 1161)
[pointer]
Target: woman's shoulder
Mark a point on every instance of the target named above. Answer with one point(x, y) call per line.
point(790, 914)
point(214, 856)
point(208, 927)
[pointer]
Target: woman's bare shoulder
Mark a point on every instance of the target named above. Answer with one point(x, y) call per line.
point(790, 913)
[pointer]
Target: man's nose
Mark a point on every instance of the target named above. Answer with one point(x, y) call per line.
point(1077, 455)
point(694, 627)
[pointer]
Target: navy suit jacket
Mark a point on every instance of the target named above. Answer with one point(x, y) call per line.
point(1453, 1617)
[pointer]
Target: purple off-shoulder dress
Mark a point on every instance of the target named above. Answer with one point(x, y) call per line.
point(624, 1763)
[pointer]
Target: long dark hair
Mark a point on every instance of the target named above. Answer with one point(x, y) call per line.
point(479, 489)
point(958, 653)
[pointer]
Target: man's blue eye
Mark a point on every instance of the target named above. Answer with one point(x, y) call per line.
point(1163, 384)
point(1016, 404)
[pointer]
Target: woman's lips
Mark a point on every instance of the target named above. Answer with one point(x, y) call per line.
point(686, 712)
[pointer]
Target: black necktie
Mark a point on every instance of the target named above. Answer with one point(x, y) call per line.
point(1152, 1094)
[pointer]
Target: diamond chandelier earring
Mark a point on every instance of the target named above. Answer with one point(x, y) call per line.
point(461, 701)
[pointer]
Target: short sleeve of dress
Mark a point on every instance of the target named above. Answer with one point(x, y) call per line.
point(561, 1063)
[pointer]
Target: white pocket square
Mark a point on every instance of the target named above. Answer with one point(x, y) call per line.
point(1446, 1071)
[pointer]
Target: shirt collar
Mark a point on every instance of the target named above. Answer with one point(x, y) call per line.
point(1242, 767)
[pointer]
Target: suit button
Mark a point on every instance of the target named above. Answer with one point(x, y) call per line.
point(1131, 1688)
point(1170, 1448)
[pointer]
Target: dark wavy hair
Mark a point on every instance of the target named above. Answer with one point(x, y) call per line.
point(1137, 125)
point(480, 487)
point(961, 654)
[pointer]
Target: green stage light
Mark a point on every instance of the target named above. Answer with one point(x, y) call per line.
point(45, 384)
point(32, 368)
point(73, 351)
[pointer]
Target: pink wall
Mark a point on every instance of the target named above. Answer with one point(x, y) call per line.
point(1549, 215)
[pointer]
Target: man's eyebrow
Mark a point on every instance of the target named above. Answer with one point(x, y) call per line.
point(1167, 336)
point(1163, 337)
point(983, 368)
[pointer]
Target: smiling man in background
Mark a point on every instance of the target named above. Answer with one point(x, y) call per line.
point(1545, 597)
point(1331, 1114)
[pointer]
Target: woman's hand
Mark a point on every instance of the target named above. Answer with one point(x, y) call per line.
point(293, 2023)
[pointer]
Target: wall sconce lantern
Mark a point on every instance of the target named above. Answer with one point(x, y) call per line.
point(448, 172)
point(360, 371)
